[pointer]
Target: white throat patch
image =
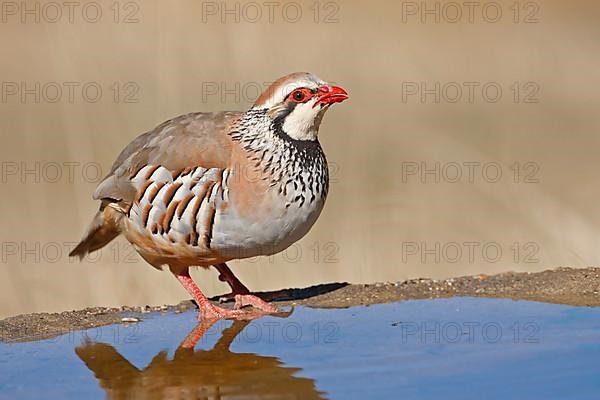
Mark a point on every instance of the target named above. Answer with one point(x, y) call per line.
point(304, 121)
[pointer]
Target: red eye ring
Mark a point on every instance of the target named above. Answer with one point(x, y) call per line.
point(300, 95)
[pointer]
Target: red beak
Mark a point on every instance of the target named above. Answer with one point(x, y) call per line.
point(331, 94)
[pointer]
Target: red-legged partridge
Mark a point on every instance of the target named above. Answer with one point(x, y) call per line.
point(206, 188)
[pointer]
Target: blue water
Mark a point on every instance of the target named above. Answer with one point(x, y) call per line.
point(460, 348)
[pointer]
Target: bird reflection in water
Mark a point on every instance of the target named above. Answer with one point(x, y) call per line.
point(197, 374)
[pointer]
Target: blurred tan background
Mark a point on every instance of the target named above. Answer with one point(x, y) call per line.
point(384, 220)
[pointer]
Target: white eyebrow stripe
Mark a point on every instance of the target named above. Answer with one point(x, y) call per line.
point(285, 89)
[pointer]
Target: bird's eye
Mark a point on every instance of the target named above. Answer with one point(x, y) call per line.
point(299, 95)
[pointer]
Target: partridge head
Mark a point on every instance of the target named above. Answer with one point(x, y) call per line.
point(296, 104)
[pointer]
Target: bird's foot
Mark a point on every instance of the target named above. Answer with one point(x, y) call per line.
point(243, 300)
point(284, 294)
point(226, 298)
point(209, 312)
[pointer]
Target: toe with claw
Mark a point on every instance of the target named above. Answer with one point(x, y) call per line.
point(243, 300)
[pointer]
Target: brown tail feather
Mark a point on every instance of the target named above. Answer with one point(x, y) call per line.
point(102, 230)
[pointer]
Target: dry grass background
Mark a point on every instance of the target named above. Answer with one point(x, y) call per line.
point(171, 54)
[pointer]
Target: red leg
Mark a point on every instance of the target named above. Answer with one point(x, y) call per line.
point(240, 292)
point(243, 300)
point(207, 310)
point(226, 275)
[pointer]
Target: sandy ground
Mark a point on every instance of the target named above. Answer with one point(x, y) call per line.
point(579, 287)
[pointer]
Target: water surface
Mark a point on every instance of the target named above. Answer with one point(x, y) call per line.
point(458, 348)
